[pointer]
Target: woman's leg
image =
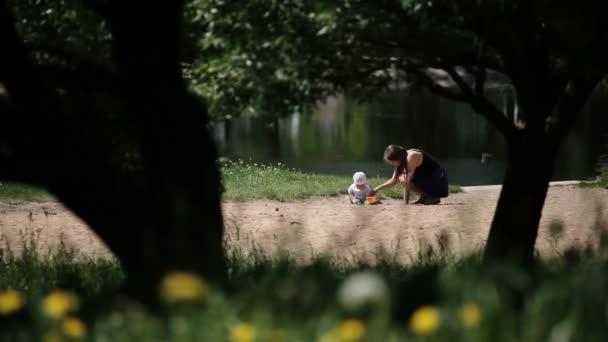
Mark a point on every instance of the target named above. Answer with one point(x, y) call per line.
point(422, 194)
point(424, 197)
point(433, 186)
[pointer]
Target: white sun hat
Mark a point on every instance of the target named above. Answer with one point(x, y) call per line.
point(359, 178)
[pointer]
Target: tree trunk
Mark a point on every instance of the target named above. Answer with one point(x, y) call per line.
point(184, 230)
point(515, 225)
point(167, 215)
point(532, 152)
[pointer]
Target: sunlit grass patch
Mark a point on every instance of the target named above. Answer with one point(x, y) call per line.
point(249, 180)
point(243, 181)
point(18, 192)
point(600, 182)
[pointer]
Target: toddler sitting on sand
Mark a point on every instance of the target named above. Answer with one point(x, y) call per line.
point(359, 190)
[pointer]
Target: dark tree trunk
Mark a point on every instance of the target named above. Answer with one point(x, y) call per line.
point(163, 217)
point(515, 224)
point(532, 152)
point(180, 160)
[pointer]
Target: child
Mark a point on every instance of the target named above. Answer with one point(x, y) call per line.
point(359, 189)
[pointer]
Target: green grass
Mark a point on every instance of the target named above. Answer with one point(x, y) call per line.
point(249, 181)
point(286, 301)
point(600, 182)
point(243, 182)
point(18, 192)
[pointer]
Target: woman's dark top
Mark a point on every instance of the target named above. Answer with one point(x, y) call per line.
point(430, 176)
point(428, 165)
point(426, 168)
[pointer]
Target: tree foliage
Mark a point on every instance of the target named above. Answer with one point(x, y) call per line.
point(303, 50)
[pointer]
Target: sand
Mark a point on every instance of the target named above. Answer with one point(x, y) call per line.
point(330, 226)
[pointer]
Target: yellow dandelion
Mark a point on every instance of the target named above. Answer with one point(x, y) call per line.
point(59, 303)
point(242, 332)
point(74, 328)
point(425, 320)
point(351, 330)
point(10, 301)
point(470, 315)
point(182, 287)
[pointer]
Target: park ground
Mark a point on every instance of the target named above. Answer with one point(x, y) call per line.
point(330, 226)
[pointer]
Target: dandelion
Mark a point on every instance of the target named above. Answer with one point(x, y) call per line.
point(74, 328)
point(10, 301)
point(470, 315)
point(425, 320)
point(352, 330)
point(562, 332)
point(361, 290)
point(242, 332)
point(182, 287)
point(58, 303)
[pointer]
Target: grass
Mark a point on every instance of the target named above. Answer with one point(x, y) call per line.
point(279, 300)
point(600, 182)
point(243, 182)
point(18, 192)
point(249, 181)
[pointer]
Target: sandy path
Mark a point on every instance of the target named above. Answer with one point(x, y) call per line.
point(48, 225)
point(333, 227)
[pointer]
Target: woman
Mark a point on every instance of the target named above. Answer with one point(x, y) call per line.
point(419, 172)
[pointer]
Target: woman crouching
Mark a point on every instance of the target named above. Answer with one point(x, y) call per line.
point(418, 171)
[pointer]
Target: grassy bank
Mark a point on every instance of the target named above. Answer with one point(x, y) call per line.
point(248, 181)
point(17, 192)
point(600, 182)
point(439, 298)
point(244, 182)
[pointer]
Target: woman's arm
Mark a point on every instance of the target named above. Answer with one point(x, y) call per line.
point(388, 184)
point(408, 176)
point(414, 159)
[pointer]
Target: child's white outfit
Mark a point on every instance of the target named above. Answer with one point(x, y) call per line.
point(359, 193)
point(359, 178)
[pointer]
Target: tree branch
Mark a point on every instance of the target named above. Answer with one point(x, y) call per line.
point(480, 80)
point(460, 82)
point(568, 106)
point(486, 108)
point(483, 106)
point(433, 86)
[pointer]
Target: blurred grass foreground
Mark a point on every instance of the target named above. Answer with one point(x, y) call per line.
point(438, 298)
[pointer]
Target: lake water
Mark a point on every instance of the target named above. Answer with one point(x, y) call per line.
point(343, 136)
